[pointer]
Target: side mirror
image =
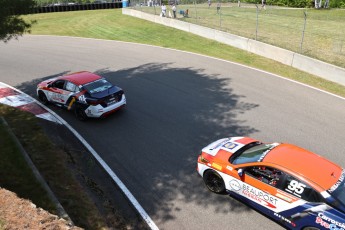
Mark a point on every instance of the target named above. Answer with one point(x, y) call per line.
point(240, 172)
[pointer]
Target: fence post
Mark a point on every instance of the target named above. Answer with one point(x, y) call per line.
point(305, 22)
point(196, 13)
point(257, 22)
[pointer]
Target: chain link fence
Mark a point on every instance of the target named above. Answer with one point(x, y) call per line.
point(315, 33)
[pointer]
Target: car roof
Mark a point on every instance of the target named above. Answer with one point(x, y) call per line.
point(81, 78)
point(305, 163)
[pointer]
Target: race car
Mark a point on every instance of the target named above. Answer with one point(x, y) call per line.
point(292, 186)
point(85, 93)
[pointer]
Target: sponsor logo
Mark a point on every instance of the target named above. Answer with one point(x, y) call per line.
point(336, 185)
point(259, 196)
point(219, 144)
point(229, 168)
point(329, 223)
point(235, 185)
point(230, 145)
point(283, 218)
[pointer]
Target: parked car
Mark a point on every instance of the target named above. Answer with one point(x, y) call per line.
point(293, 186)
point(85, 93)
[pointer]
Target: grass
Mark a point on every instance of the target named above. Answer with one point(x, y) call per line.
point(16, 175)
point(52, 162)
point(112, 25)
point(324, 35)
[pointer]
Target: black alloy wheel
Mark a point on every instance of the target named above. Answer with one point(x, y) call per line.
point(43, 98)
point(214, 182)
point(80, 113)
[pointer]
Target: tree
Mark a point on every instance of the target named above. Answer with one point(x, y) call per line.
point(12, 24)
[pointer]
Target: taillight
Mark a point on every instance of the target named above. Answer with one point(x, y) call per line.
point(204, 160)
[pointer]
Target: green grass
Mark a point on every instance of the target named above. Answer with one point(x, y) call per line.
point(16, 175)
point(51, 161)
point(324, 35)
point(112, 25)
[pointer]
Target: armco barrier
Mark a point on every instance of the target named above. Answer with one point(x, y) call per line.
point(324, 70)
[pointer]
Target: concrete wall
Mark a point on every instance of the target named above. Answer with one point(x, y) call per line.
point(298, 61)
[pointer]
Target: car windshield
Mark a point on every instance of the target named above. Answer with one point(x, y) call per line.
point(97, 86)
point(253, 154)
point(338, 189)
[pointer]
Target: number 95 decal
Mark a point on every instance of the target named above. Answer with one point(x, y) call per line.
point(295, 188)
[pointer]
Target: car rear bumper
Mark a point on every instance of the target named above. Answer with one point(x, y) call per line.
point(99, 111)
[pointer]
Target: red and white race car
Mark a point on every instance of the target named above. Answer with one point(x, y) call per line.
point(295, 187)
point(85, 93)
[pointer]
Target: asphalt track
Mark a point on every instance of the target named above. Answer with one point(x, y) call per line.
point(179, 102)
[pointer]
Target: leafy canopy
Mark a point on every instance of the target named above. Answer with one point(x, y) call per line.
point(11, 23)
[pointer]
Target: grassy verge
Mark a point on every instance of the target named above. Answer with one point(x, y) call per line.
point(283, 27)
point(112, 25)
point(52, 162)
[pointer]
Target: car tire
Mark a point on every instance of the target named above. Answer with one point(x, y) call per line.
point(214, 182)
point(43, 98)
point(80, 113)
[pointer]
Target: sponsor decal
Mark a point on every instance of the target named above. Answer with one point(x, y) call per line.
point(259, 196)
point(217, 166)
point(229, 168)
point(336, 185)
point(219, 144)
point(235, 185)
point(230, 145)
point(329, 223)
point(82, 99)
point(283, 218)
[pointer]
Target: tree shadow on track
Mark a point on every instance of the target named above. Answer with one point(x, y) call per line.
point(153, 144)
point(172, 113)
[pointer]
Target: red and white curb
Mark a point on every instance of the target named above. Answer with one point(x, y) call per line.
point(13, 97)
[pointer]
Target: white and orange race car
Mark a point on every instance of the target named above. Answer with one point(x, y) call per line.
point(294, 187)
point(85, 93)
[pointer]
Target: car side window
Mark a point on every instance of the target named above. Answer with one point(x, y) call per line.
point(71, 87)
point(59, 84)
point(299, 189)
point(268, 175)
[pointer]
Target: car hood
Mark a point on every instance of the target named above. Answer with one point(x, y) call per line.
point(45, 82)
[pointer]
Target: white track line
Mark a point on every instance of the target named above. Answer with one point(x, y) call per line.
point(115, 178)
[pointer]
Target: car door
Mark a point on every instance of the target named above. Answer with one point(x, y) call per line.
point(56, 91)
point(259, 186)
point(61, 90)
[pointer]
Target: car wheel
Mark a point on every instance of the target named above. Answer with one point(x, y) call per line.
point(310, 228)
point(43, 98)
point(80, 114)
point(214, 182)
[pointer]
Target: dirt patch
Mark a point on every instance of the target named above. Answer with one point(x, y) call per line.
point(17, 213)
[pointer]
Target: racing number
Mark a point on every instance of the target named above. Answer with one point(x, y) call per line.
point(296, 187)
point(82, 99)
